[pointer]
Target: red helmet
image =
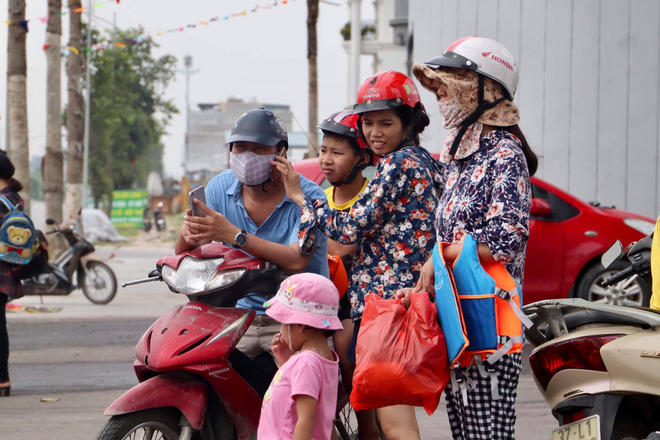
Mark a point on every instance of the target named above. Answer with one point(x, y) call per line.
point(385, 91)
point(343, 123)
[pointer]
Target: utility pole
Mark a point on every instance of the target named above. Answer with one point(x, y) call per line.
point(356, 50)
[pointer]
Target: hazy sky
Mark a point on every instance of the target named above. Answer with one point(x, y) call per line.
point(262, 55)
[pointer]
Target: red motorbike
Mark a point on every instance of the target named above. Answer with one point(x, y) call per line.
point(193, 382)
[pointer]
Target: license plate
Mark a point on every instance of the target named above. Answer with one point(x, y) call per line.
point(585, 429)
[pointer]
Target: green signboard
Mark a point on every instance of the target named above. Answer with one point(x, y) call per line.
point(128, 206)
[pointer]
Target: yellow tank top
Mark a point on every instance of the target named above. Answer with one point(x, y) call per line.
point(655, 267)
point(344, 207)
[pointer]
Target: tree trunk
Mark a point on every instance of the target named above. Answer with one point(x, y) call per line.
point(17, 92)
point(312, 106)
point(74, 115)
point(53, 165)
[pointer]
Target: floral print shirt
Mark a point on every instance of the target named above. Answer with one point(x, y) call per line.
point(488, 195)
point(391, 223)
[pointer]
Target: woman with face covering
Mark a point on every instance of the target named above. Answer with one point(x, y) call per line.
point(487, 195)
point(10, 287)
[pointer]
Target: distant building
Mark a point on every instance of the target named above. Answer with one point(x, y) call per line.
point(206, 154)
point(385, 39)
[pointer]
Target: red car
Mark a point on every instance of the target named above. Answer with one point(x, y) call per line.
point(566, 240)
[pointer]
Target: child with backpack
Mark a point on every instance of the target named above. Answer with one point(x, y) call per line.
point(302, 398)
point(10, 286)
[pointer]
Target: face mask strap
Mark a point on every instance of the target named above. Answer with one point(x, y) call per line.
point(474, 117)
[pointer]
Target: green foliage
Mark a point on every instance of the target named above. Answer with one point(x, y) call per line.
point(129, 113)
point(367, 30)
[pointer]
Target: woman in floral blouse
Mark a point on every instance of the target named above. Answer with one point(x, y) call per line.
point(392, 222)
point(487, 195)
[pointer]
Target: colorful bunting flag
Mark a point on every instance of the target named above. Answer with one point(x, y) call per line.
point(140, 38)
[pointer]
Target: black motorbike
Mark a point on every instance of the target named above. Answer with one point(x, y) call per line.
point(146, 219)
point(76, 267)
point(159, 219)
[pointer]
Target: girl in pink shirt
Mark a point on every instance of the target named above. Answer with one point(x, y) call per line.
point(301, 401)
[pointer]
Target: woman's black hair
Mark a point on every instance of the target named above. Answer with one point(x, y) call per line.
point(530, 156)
point(15, 185)
point(7, 172)
point(416, 116)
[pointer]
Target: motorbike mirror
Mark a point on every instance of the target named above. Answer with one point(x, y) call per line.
point(50, 221)
point(540, 208)
point(612, 254)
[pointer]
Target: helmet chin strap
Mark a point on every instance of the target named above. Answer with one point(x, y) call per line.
point(474, 117)
point(357, 168)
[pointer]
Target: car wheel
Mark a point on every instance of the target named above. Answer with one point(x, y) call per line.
point(629, 292)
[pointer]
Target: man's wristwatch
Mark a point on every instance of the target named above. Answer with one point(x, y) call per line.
point(240, 239)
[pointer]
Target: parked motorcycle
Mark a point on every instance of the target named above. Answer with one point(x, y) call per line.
point(159, 218)
point(598, 365)
point(146, 219)
point(77, 267)
point(193, 382)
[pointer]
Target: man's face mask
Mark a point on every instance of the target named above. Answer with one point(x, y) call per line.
point(251, 169)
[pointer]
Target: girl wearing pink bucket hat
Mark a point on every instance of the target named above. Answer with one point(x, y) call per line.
point(302, 398)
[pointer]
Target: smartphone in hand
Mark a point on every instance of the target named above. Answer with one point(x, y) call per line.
point(197, 193)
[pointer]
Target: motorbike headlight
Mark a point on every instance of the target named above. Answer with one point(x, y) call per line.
point(224, 278)
point(192, 274)
point(640, 225)
point(169, 275)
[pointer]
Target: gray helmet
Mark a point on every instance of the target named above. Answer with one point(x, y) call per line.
point(260, 126)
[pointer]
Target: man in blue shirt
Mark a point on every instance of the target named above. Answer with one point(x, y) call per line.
point(249, 210)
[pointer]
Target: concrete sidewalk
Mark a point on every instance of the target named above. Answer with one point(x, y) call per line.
point(129, 262)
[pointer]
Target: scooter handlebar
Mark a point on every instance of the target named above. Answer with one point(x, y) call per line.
point(625, 273)
point(144, 280)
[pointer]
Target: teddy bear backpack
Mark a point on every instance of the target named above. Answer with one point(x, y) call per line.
point(18, 242)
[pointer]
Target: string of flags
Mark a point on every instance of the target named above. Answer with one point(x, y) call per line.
point(140, 38)
point(44, 20)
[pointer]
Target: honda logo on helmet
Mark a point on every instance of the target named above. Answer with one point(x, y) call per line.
point(497, 59)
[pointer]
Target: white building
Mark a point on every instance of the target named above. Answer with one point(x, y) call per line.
point(589, 92)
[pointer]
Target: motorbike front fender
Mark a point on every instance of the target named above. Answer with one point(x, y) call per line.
point(90, 257)
point(182, 391)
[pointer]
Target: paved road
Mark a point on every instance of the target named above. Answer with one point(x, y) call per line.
point(83, 357)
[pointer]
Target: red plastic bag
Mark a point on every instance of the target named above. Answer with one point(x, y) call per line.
point(401, 355)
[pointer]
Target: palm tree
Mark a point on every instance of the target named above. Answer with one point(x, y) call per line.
point(17, 94)
point(312, 68)
point(53, 166)
point(74, 115)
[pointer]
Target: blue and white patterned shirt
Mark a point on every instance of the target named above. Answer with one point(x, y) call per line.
point(391, 223)
point(488, 195)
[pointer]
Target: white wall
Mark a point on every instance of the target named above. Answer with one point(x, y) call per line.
point(589, 86)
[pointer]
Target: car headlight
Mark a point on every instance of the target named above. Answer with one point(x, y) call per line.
point(192, 274)
point(640, 225)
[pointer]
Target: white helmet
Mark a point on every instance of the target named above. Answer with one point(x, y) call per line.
point(482, 55)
